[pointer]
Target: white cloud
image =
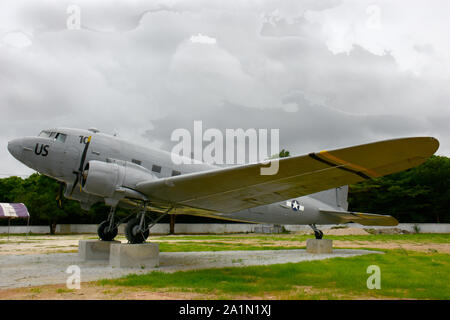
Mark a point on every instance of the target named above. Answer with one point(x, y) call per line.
point(321, 72)
point(394, 27)
point(199, 38)
point(16, 40)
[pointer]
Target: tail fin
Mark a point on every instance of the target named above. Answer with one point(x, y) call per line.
point(336, 198)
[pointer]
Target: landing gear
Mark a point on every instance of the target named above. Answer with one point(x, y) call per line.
point(107, 230)
point(317, 233)
point(136, 230)
point(105, 233)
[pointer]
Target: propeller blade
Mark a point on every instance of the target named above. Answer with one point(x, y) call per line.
point(81, 167)
point(59, 196)
point(74, 183)
point(83, 157)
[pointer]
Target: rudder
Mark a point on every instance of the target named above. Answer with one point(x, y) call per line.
point(336, 198)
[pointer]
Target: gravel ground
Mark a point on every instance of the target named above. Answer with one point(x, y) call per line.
point(42, 269)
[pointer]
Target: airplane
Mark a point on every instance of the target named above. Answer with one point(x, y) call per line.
point(308, 189)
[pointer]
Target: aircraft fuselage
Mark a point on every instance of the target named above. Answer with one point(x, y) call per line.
point(57, 152)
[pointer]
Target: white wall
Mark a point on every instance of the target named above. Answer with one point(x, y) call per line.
point(186, 228)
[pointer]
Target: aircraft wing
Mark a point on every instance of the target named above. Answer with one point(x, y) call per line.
point(240, 187)
point(366, 219)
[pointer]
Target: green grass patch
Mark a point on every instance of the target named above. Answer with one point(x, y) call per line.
point(217, 246)
point(419, 237)
point(230, 242)
point(63, 290)
point(413, 237)
point(404, 274)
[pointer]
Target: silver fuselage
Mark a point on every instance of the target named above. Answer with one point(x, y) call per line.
point(60, 158)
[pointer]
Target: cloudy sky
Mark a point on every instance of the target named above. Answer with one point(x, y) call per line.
point(327, 74)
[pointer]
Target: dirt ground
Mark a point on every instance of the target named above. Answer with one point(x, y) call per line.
point(91, 291)
point(39, 244)
point(46, 244)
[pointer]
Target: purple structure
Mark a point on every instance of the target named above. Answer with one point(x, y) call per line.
point(13, 211)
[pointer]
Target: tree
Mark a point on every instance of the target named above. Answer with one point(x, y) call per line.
point(420, 194)
point(10, 189)
point(39, 195)
point(284, 153)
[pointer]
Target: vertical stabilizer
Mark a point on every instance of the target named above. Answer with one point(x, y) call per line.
point(336, 198)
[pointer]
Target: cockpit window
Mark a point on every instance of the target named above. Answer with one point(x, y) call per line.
point(54, 135)
point(45, 134)
point(61, 137)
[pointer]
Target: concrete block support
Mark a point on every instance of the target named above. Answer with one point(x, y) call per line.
point(94, 249)
point(319, 246)
point(143, 255)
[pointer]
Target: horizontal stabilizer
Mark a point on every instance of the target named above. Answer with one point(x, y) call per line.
point(366, 219)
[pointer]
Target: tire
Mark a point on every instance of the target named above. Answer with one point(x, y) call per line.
point(132, 235)
point(318, 234)
point(104, 234)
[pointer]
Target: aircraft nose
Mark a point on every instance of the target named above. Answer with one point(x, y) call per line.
point(15, 147)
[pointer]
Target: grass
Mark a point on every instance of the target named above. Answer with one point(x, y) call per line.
point(404, 274)
point(257, 242)
point(421, 237)
point(63, 290)
point(218, 246)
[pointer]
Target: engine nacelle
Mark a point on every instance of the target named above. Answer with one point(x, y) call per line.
point(105, 178)
point(86, 200)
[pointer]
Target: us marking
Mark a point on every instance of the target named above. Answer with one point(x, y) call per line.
point(43, 151)
point(295, 205)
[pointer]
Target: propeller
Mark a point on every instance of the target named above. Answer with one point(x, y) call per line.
point(79, 173)
point(59, 197)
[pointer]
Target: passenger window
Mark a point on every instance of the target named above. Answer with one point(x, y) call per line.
point(175, 173)
point(61, 137)
point(156, 168)
point(138, 162)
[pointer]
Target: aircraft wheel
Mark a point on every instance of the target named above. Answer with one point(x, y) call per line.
point(318, 234)
point(104, 233)
point(133, 232)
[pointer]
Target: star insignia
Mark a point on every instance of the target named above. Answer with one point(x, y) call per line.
point(295, 205)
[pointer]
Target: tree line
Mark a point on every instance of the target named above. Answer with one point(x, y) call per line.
point(420, 194)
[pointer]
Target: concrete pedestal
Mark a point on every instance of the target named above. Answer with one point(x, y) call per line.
point(319, 246)
point(144, 255)
point(95, 249)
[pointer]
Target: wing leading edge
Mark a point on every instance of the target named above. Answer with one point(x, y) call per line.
point(241, 187)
